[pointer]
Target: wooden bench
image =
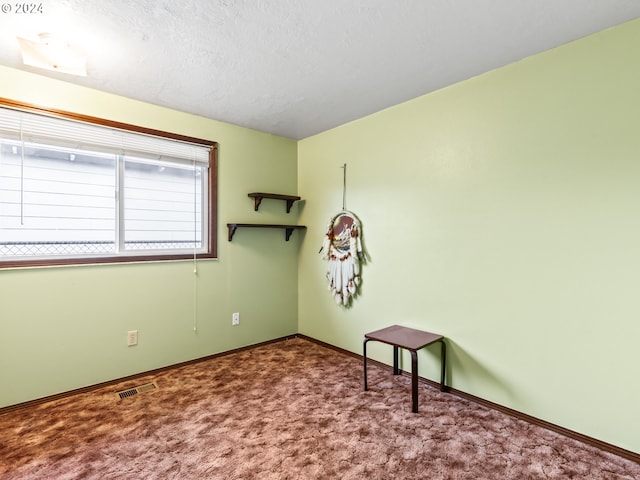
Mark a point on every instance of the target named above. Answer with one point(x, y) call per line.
point(412, 340)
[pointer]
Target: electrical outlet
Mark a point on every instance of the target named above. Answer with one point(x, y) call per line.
point(132, 338)
point(235, 319)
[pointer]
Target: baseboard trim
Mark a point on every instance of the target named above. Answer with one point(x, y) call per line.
point(90, 388)
point(607, 447)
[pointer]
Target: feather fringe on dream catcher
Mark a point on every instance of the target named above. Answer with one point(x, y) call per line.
point(342, 248)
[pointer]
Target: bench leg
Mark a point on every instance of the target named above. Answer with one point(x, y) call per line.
point(364, 354)
point(414, 381)
point(443, 354)
point(396, 367)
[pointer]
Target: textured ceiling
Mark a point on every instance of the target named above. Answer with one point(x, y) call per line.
point(299, 67)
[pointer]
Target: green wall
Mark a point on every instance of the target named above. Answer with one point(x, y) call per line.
point(501, 212)
point(63, 328)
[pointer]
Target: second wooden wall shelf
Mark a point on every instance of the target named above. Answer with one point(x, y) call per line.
point(287, 228)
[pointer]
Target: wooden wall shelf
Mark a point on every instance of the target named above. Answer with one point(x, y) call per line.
point(258, 196)
point(287, 228)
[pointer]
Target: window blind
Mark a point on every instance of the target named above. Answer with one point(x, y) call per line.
point(31, 127)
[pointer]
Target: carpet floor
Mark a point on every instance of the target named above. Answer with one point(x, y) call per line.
point(287, 410)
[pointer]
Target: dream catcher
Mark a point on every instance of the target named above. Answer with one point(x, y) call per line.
point(342, 248)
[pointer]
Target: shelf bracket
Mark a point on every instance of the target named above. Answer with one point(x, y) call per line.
point(289, 205)
point(232, 230)
point(287, 233)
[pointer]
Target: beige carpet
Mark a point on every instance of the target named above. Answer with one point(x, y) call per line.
point(287, 410)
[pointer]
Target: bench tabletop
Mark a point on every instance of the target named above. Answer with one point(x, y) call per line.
point(404, 337)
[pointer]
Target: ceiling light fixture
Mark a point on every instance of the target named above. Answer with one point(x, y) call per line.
point(52, 52)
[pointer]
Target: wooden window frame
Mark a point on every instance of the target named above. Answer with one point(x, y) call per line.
point(212, 224)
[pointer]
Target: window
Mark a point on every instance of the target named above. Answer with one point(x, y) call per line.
point(76, 189)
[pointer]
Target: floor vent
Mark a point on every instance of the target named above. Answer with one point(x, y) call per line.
point(147, 387)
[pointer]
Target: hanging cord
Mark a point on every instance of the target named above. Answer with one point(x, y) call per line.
point(21, 173)
point(195, 242)
point(344, 186)
point(344, 194)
